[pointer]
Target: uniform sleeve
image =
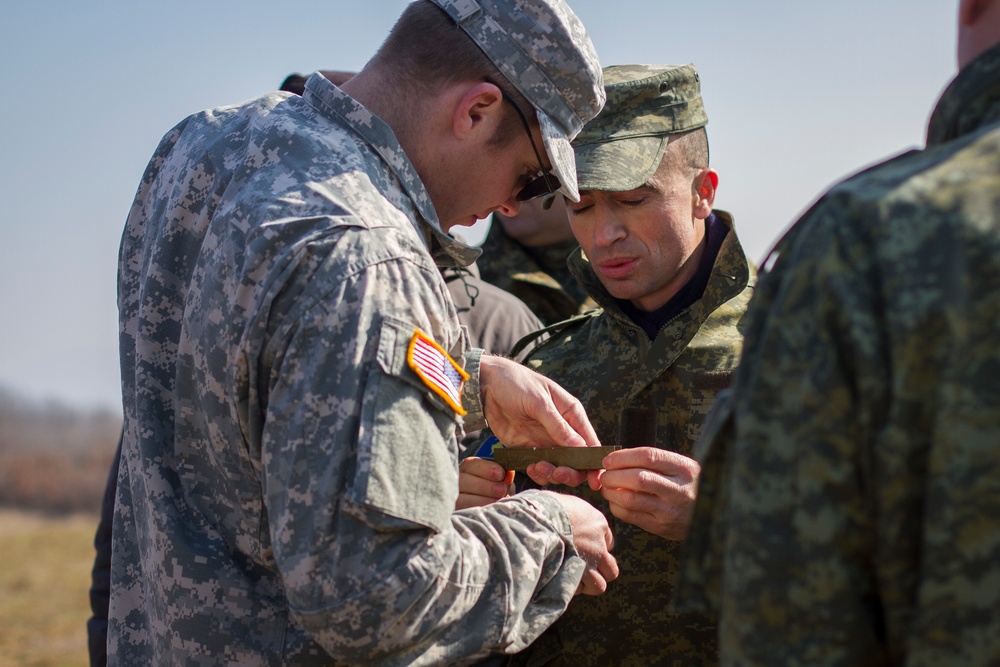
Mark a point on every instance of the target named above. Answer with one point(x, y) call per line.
point(360, 469)
point(472, 399)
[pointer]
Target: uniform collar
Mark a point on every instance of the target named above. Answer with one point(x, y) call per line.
point(346, 111)
point(970, 101)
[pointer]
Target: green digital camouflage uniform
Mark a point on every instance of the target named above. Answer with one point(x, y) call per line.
point(639, 392)
point(537, 276)
point(289, 463)
point(849, 509)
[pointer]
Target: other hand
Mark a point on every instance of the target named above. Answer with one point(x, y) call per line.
point(481, 482)
point(651, 488)
point(593, 540)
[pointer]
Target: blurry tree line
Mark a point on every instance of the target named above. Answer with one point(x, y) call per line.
point(54, 458)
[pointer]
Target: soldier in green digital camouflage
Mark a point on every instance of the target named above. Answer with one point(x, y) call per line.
point(673, 283)
point(526, 255)
point(294, 374)
point(849, 504)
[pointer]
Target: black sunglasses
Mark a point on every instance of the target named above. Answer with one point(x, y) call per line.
point(545, 182)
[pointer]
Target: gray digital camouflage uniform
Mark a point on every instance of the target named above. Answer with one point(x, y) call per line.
point(849, 509)
point(288, 479)
point(639, 392)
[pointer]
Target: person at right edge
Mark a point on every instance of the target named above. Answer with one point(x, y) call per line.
point(849, 506)
point(673, 283)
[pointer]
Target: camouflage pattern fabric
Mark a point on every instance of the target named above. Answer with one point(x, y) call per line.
point(544, 50)
point(287, 484)
point(639, 392)
point(849, 509)
point(623, 146)
point(539, 277)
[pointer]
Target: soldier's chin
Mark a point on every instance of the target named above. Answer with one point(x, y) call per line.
point(467, 221)
point(618, 289)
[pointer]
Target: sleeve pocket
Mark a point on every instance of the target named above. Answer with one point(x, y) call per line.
point(407, 452)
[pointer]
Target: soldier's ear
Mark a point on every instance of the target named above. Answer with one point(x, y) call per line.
point(705, 185)
point(969, 11)
point(477, 108)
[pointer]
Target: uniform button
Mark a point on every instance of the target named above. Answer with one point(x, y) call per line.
point(678, 336)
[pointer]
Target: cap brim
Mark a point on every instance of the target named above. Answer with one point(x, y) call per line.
point(618, 165)
point(560, 154)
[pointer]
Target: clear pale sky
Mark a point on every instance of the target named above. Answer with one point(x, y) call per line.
point(798, 94)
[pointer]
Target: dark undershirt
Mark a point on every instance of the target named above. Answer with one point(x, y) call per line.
point(652, 322)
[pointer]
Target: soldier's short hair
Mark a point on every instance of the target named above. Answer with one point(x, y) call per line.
point(536, 51)
point(427, 50)
point(689, 149)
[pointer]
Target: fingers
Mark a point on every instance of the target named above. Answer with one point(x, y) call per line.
point(545, 426)
point(663, 461)
point(592, 583)
point(632, 501)
point(600, 572)
point(481, 482)
point(544, 473)
point(645, 490)
point(667, 518)
point(570, 427)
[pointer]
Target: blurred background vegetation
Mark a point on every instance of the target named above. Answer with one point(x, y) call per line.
point(54, 463)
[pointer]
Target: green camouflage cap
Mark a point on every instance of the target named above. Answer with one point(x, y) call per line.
point(545, 52)
point(622, 147)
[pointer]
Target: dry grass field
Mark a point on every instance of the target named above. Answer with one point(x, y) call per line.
point(44, 578)
point(54, 463)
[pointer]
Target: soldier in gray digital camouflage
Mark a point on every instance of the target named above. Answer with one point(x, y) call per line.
point(495, 318)
point(849, 505)
point(673, 284)
point(294, 375)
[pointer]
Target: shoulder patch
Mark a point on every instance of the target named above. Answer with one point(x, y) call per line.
point(437, 369)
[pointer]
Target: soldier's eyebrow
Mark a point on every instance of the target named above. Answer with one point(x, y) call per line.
point(649, 187)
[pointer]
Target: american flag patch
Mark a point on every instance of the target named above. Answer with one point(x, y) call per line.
point(438, 370)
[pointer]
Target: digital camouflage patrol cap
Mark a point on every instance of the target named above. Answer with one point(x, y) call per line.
point(544, 51)
point(622, 147)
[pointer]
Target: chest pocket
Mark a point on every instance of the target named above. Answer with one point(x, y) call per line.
point(705, 388)
point(407, 451)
